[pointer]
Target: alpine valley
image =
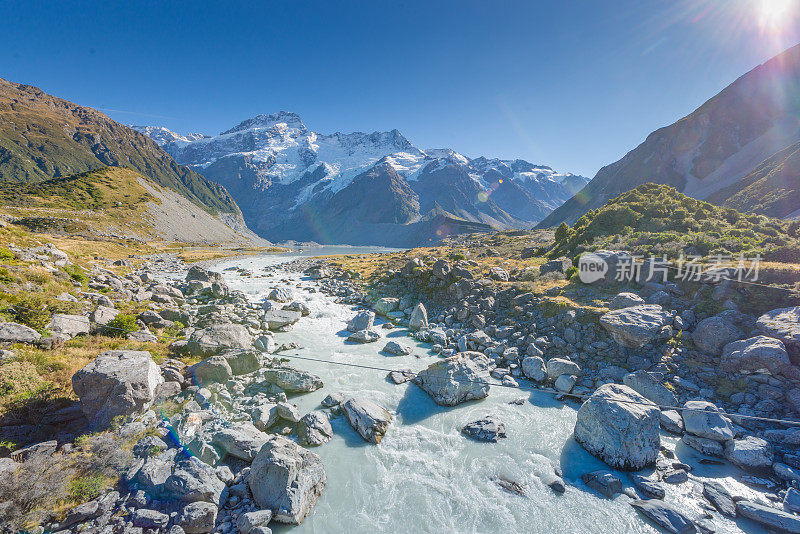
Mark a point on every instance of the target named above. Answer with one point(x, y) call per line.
point(294, 184)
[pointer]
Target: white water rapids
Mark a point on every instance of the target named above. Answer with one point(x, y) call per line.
point(427, 477)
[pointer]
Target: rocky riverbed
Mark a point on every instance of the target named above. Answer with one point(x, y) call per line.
point(458, 447)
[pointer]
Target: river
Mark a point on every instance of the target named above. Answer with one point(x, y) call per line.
point(425, 476)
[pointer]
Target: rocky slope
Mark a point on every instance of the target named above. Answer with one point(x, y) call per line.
point(42, 136)
point(293, 183)
point(712, 152)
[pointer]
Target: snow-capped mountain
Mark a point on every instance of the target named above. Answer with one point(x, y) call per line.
point(288, 180)
point(162, 135)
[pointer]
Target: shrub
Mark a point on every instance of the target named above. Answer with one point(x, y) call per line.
point(5, 254)
point(76, 273)
point(562, 232)
point(120, 325)
point(86, 488)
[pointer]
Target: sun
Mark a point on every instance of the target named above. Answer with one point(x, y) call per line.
point(774, 14)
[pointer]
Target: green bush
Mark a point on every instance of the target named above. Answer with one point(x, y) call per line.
point(76, 273)
point(120, 325)
point(86, 488)
point(5, 254)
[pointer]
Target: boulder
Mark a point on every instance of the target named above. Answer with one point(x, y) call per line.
point(103, 315)
point(289, 412)
point(705, 420)
point(620, 427)
point(671, 421)
point(280, 294)
point(791, 502)
point(456, 379)
point(401, 376)
point(265, 415)
point(314, 429)
point(565, 383)
point(604, 482)
point(203, 275)
point(719, 497)
point(298, 307)
point(363, 320)
point(648, 387)
point(117, 383)
point(194, 481)
point(286, 479)
point(385, 305)
point(625, 300)
point(489, 429)
point(219, 338)
point(706, 446)
point(364, 336)
point(441, 269)
point(664, 515)
point(750, 453)
point(292, 380)
point(559, 265)
point(419, 318)
point(712, 334)
point(647, 486)
point(18, 333)
point(149, 519)
point(783, 324)
point(533, 368)
point(396, 349)
point(277, 319)
point(772, 518)
point(754, 354)
point(69, 325)
point(211, 370)
point(367, 418)
point(198, 517)
point(559, 366)
point(242, 362)
point(635, 326)
point(240, 440)
point(250, 520)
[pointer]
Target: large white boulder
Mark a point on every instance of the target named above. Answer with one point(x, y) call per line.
point(367, 418)
point(620, 427)
point(18, 333)
point(117, 383)
point(456, 379)
point(362, 321)
point(419, 318)
point(219, 338)
point(704, 419)
point(759, 352)
point(69, 325)
point(647, 386)
point(712, 334)
point(783, 324)
point(635, 326)
point(286, 479)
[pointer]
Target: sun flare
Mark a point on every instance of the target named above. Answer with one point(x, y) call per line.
point(773, 14)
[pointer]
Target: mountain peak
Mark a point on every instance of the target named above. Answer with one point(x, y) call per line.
point(291, 120)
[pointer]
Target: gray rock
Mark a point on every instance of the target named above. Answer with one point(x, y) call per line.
point(292, 380)
point(152, 519)
point(625, 300)
point(265, 415)
point(286, 479)
point(198, 517)
point(769, 517)
point(280, 294)
point(719, 497)
point(604, 482)
point(117, 383)
point(203, 275)
point(103, 315)
point(559, 366)
point(211, 370)
point(620, 427)
point(289, 412)
point(332, 399)
point(314, 429)
point(250, 520)
point(240, 440)
point(671, 421)
point(705, 420)
point(385, 305)
point(489, 429)
point(783, 324)
point(419, 318)
point(69, 325)
point(456, 379)
point(194, 481)
point(559, 265)
point(277, 319)
point(791, 502)
point(648, 487)
point(401, 376)
point(18, 333)
point(648, 387)
point(364, 336)
point(298, 307)
point(706, 446)
point(565, 383)
point(712, 334)
point(664, 515)
point(756, 353)
point(533, 368)
point(367, 418)
point(750, 453)
point(219, 338)
point(635, 326)
point(242, 362)
point(396, 349)
point(362, 321)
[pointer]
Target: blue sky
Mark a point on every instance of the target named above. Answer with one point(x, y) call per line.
point(572, 84)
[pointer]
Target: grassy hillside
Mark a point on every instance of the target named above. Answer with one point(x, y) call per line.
point(657, 219)
point(43, 137)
